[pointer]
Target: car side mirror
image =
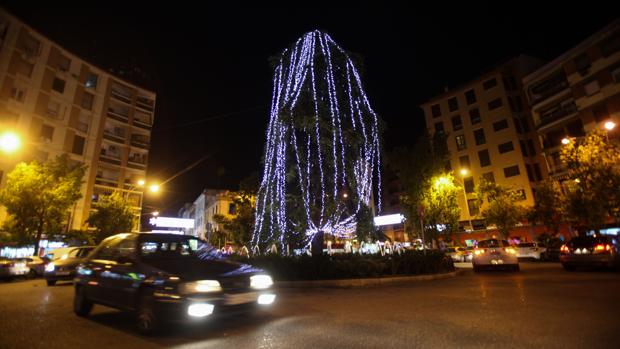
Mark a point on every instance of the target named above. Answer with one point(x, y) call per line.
point(124, 260)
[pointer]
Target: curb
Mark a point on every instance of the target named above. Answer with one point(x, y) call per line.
point(348, 283)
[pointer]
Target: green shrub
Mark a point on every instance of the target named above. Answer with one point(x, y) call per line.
point(350, 266)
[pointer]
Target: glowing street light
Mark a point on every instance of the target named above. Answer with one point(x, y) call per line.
point(141, 183)
point(10, 142)
point(565, 140)
point(609, 125)
point(464, 172)
point(345, 195)
point(155, 213)
point(154, 188)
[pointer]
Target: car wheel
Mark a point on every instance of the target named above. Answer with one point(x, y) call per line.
point(146, 320)
point(51, 282)
point(32, 274)
point(568, 267)
point(81, 305)
point(476, 268)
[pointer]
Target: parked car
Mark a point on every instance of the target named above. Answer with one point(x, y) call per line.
point(457, 253)
point(64, 268)
point(590, 251)
point(495, 254)
point(531, 250)
point(36, 265)
point(166, 276)
point(10, 268)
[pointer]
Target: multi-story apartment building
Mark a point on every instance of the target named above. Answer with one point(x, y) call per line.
point(61, 104)
point(489, 134)
point(209, 203)
point(575, 93)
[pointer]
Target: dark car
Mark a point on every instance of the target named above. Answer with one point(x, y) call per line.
point(590, 251)
point(64, 268)
point(167, 276)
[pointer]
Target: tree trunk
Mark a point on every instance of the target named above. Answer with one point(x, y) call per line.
point(317, 244)
point(38, 237)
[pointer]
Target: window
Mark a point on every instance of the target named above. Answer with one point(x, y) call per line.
point(47, 133)
point(591, 87)
point(460, 142)
point(500, 125)
point(18, 93)
point(575, 129)
point(530, 146)
point(496, 103)
point(489, 84)
point(78, 145)
point(91, 80)
point(54, 110)
point(468, 183)
point(58, 85)
point(582, 63)
point(232, 209)
point(436, 110)
point(537, 172)
point(453, 104)
point(24, 68)
point(505, 147)
point(87, 101)
point(525, 125)
point(530, 174)
point(474, 116)
point(511, 171)
point(457, 123)
point(523, 148)
point(479, 136)
point(439, 127)
point(108, 250)
point(510, 83)
point(519, 194)
point(474, 208)
point(64, 63)
point(470, 97)
point(447, 166)
point(600, 112)
point(489, 177)
point(464, 161)
point(511, 103)
point(485, 159)
point(518, 103)
point(517, 123)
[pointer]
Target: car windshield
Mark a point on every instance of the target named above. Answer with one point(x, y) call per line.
point(83, 252)
point(489, 243)
point(526, 244)
point(174, 247)
point(451, 249)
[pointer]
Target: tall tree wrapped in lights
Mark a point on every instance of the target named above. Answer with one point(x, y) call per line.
point(322, 154)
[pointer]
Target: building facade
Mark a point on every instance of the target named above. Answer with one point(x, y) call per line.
point(575, 93)
point(61, 104)
point(210, 202)
point(490, 135)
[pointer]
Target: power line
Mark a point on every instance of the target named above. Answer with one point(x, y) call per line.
point(218, 117)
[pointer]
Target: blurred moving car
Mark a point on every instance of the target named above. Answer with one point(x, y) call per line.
point(36, 265)
point(495, 254)
point(167, 277)
point(457, 253)
point(9, 268)
point(590, 251)
point(531, 250)
point(64, 267)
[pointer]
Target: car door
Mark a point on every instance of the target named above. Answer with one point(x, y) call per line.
point(96, 269)
point(124, 278)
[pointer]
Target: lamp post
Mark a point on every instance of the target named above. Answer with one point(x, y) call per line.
point(464, 172)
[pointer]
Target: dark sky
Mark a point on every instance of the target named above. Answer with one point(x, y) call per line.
point(212, 63)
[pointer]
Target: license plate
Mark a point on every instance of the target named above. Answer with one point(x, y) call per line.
point(63, 273)
point(240, 298)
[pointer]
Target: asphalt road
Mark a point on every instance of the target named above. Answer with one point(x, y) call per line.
point(540, 307)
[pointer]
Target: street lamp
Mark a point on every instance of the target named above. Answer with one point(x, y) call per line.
point(154, 188)
point(155, 213)
point(565, 140)
point(464, 172)
point(10, 142)
point(609, 125)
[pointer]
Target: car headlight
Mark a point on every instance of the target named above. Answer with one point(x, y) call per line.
point(261, 281)
point(200, 286)
point(50, 267)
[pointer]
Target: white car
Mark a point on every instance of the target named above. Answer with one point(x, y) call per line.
point(530, 250)
point(458, 254)
point(495, 254)
point(10, 268)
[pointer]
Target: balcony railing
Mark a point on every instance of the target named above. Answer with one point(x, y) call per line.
point(557, 113)
point(145, 103)
point(114, 136)
point(140, 142)
point(123, 96)
point(142, 122)
point(82, 126)
point(110, 157)
point(101, 180)
point(116, 115)
point(547, 88)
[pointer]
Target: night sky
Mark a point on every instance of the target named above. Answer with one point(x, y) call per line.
point(210, 66)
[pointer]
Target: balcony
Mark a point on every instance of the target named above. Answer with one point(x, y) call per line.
point(114, 135)
point(145, 103)
point(140, 141)
point(107, 181)
point(557, 112)
point(547, 88)
point(136, 164)
point(117, 114)
point(142, 120)
point(82, 126)
point(122, 94)
point(111, 157)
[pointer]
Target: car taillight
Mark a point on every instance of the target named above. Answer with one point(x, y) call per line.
point(564, 249)
point(478, 252)
point(510, 250)
point(602, 248)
